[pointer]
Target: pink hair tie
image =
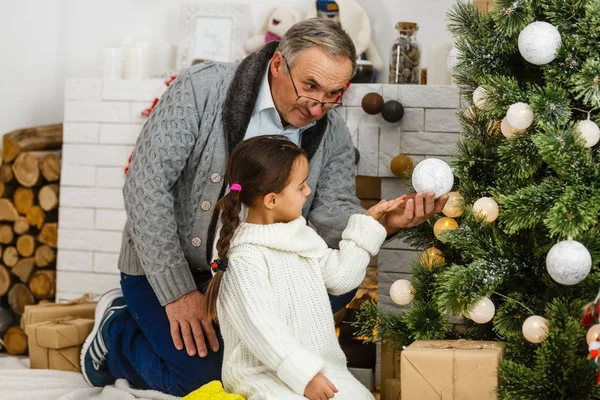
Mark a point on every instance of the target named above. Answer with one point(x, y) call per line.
point(236, 187)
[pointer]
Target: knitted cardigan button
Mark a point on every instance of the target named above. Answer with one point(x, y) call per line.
point(216, 178)
point(205, 205)
point(196, 242)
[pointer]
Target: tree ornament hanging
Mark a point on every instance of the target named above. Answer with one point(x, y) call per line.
point(372, 103)
point(401, 165)
point(593, 334)
point(432, 257)
point(442, 225)
point(568, 262)
point(455, 206)
point(589, 131)
point(519, 116)
point(483, 311)
point(479, 97)
point(486, 207)
point(507, 130)
point(433, 175)
point(392, 111)
point(535, 329)
point(402, 292)
point(539, 42)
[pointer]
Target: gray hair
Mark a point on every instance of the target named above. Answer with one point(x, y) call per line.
point(326, 34)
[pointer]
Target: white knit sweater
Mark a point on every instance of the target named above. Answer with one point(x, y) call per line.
point(274, 310)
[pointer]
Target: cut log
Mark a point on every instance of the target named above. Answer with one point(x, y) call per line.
point(50, 167)
point(49, 234)
point(21, 226)
point(27, 170)
point(24, 269)
point(5, 280)
point(10, 256)
point(48, 196)
point(6, 319)
point(2, 188)
point(44, 256)
point(43, 284)
point(23, 198)
point(26, 245)
point(20, 296)
point(8, 212)
point(15, 341)
point(6, 234)
point(38, 138)
point(6, 174)
point(36, 217)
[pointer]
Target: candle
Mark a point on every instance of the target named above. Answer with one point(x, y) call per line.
point(437, 69)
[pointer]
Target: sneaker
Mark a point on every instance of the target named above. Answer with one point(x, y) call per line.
point(94, 366)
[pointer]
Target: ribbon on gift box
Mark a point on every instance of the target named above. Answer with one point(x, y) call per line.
point(61, 333)
point(82, 307)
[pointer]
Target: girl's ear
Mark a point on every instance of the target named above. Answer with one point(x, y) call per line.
point(270, 201)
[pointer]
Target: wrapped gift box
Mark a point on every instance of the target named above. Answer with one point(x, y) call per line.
point(391, 390)
point(450, 370)
point(57, 344)
point(81, 308)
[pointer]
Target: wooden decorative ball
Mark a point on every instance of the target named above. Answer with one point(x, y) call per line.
point(401, 165)
point(392, 111)
point(372, 103)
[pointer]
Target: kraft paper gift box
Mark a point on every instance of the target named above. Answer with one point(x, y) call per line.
point(450, 370)
point(391, 390)
point(57, 344)
point(81, 308)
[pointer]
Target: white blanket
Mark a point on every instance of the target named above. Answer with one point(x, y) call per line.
point(19, 382)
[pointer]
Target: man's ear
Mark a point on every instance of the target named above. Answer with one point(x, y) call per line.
point(277, 64)
point(270, 201)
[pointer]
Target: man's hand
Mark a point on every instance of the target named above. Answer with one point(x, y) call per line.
point(416, 209)
point(187, 319)
point(320, 388)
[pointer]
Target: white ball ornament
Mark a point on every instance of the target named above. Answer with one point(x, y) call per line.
point(483, 311)
point(433, 175)
point(479, 96)
point(593, 334)
point(589, 131)
point(539, 42)
point(519, 116)
point(568, 262)
point(535, 329)
point(507, 130)
point(402, 292)
point(486, 207)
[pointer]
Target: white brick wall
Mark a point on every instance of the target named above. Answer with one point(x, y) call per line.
point(101, 124)
point(103, 120)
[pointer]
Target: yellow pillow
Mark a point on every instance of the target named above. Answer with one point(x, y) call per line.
point(212, 391)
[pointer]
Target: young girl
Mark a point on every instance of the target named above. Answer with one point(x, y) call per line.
point(273, 276)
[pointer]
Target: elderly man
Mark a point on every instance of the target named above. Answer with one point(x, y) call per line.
point(154, 333)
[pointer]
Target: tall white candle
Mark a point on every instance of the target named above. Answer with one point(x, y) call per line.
point(437, 69)
point(112, 63)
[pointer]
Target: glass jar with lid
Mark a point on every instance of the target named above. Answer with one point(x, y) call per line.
point(405, 56)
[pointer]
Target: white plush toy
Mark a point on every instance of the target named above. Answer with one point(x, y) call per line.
point(278, 22)
point(355, 21)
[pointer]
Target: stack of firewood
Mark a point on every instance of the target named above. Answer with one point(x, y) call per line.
point(29, 188)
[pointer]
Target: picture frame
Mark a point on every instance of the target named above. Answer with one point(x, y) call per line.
point(212, 31)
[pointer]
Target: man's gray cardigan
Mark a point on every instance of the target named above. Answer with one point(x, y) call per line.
point(177, 173)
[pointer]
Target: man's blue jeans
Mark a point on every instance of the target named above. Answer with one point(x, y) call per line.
point(140, 348)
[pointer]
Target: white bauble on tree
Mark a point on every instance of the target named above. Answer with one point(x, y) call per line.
point(568, 262)
point(402, 292)
point(539, 42)
point(507, 130)
point(486, 207)
point(535, 329)
point(519, 116)
point(479, 96)
point(589, 131)
point(483, 311)
point(593, 334)
point(433, 175)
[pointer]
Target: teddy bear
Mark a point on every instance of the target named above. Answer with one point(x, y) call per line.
point(279, 20)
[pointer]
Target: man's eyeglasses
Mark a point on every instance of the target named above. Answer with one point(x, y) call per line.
point(309, 102)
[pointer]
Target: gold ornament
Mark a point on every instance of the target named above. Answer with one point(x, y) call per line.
point(508, 131)
point(401, 165)
point(486, 207)
point(432, 256)
point(455, 206)
point(442, 225)
point(593, 334)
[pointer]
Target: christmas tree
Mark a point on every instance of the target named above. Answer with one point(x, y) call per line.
point(515, 257)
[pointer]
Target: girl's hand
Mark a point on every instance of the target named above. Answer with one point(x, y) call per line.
point(385, 206)
point(320, 388)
